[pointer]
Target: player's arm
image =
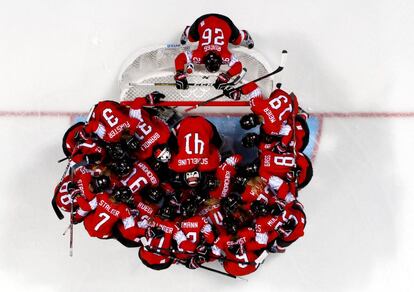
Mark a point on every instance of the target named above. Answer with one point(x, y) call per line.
point(224, 78)
point(181, 62)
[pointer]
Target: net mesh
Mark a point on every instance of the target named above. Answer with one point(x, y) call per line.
point(156, 65)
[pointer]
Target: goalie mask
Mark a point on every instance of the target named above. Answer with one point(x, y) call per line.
point(212, 61)
point(192, 178)
point(162, 154)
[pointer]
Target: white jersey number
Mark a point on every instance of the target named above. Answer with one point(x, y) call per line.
point(216, 38)
point(102, 222)
point(109, 117)
point(197, 143)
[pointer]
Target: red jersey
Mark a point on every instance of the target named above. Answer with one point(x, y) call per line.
point(266, 227)
point(195, 152)
point(63, 197)
point(302, 137)
point(274, 164)
point(87, 147)
point(164, 243)
point(141, 175)
point(293, 211)
point(106, 214)
point(150, 130)
point(224, 174)
point(196, 228)
point(213, 214)
point(242, 262)
point(109, 120)
point(213, 33)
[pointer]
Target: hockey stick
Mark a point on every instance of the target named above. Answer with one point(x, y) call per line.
point(294, 140)
point(54, 204)
point(71, 218)
point(279, 69)
point(168, 84)
point(183, 263)
point(259, 260)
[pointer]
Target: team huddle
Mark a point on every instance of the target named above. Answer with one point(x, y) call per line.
point(160, 182)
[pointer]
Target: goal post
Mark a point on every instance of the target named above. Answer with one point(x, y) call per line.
point(156, 65)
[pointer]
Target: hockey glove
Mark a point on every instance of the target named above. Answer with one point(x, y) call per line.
point(154, 97)
point(154, 232)
point(221, 81)
point(184, 36)
point(232, 93)
point(247, 40)
point(181, 81)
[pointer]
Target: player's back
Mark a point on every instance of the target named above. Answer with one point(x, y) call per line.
point(107, 213)
point(214, 32)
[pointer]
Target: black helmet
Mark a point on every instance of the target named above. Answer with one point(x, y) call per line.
point(259, 208)
point(249, 121)
point(231, 225)
point(250, 140)
point(133, 143)
point(188, 208)
point(116, 151)
point(251, 169)
point(122, 194)
point(100, 183)
point(230, 203)
point(121, 167)
point(167, 212)
point(211, 182)
point(212, 61)
point(154, 195)
point(239, 183)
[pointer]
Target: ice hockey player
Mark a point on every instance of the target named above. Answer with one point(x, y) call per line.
point(107, 209)
point(198, 144)
point(269, 142)
point(140, 176)
point(213, 32)
point(82, 148)
point(84, 182)
point(238, 247)
point(151, 131)
point(290, 226)
point(224, 174)
point(197, 229)
point(161, 235)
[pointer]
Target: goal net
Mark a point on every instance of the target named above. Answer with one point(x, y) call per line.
point(156, 65)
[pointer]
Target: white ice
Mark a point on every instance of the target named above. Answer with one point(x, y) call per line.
point(344, 56)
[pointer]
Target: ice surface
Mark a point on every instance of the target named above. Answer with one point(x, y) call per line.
point(344, 56)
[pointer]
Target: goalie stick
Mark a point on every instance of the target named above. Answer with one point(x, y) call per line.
point(279, 69)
